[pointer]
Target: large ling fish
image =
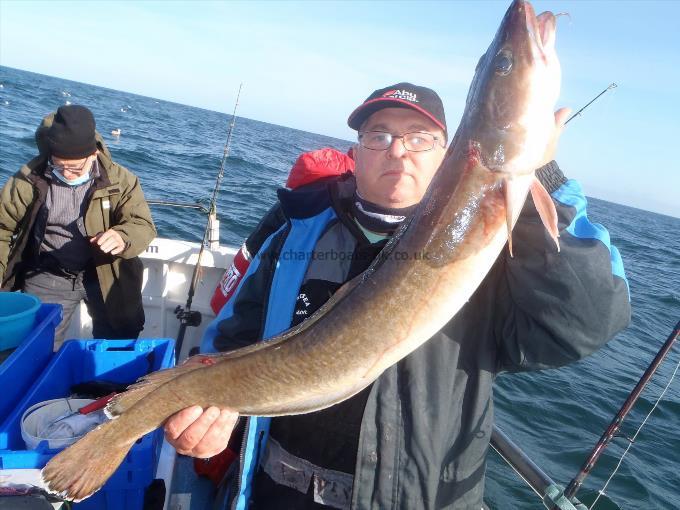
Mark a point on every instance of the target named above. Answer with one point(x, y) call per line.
point(444, 251)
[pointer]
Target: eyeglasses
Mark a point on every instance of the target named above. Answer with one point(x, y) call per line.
point(71, 168)
point(417, 141)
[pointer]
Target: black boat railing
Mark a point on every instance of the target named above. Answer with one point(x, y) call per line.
point(185, 205)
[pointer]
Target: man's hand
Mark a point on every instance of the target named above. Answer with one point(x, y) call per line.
point(109, 242)
point(200, 433)
point(561, 117)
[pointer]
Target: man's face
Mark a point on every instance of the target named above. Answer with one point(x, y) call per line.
point(73, 168)
point(396, 177)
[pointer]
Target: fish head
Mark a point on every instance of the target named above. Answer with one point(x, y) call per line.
point(509, 113)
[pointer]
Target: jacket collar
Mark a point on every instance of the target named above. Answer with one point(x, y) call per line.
point(310, 200)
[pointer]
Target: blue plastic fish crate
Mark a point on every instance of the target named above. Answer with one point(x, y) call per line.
point(119, 361)
point(20, 370)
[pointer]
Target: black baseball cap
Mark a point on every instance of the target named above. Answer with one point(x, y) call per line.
point(401, 95)
point(72, 133)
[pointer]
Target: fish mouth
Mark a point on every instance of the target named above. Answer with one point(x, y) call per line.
point(514, 85)
point(532, 24)
point(540, 29)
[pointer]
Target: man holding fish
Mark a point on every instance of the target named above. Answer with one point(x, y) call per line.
point(389, 302)
point(418, 436)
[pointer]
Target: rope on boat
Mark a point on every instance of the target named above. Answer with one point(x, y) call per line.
point(602, 492)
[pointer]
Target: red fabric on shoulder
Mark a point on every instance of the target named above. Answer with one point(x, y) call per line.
point(315, 165)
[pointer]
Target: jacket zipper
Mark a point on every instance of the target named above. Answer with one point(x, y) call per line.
point(241, 458)
point(256, 460)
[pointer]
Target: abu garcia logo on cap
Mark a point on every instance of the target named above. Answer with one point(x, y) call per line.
point(402, 94)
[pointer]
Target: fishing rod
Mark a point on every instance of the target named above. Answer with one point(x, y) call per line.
point(186, 316)
point(610, 87)
point(540, 482)
point(615, 424)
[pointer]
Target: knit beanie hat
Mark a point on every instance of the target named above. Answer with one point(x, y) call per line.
point(71, 135)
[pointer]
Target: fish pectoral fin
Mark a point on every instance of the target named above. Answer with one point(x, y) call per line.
point(546, 209)
point(507, 191)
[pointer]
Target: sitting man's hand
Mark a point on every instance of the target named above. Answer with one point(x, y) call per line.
point(198, 433)
point(109, 242)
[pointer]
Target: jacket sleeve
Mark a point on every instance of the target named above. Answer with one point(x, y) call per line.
point(554, 308)
point(15, 201)
point(241, 320)
point(132, 218)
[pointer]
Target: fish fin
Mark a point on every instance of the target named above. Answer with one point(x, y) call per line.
point(508, 211)
point(546, 210)
point(151, 382)
point(81, 469)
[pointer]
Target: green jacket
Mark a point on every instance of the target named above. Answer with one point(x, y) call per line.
point(115, 201)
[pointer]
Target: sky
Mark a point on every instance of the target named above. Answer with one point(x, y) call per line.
point(307, 65)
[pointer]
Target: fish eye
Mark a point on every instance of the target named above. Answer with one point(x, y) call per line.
point(503, 63)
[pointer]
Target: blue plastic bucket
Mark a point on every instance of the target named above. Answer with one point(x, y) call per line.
point(17, 317)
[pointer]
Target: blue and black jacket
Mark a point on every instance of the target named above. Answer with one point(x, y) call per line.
point(427, 420)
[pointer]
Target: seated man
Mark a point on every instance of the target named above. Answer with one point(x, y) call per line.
point(418, 436)
point(72, 223)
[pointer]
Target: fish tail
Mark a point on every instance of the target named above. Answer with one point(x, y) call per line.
point(136, 392)
point(81, 469)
